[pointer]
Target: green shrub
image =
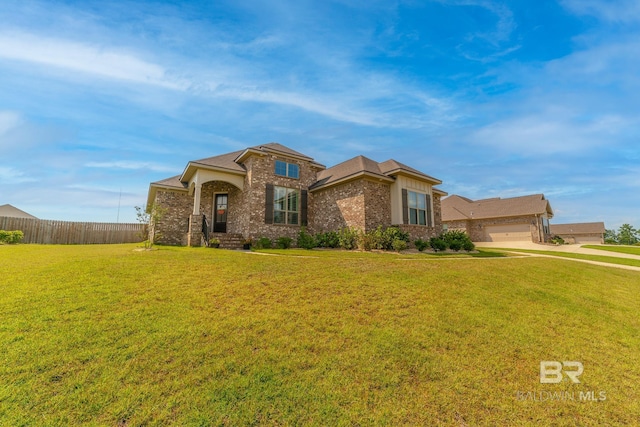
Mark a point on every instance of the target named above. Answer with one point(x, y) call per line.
point(367, 241)
point(437, 244)
point(284, 242)
point(468, 246)
point(330, 239)
point(383, 238)
point(557, 240)
point(263, 243)
point(306, 240)
point(455, 245)
point(457, 239)
point(348, 238)
point(421, 245)
point(11, 237)
point(399, 245)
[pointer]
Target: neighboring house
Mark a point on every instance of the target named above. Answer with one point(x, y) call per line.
point(13, 212)
point(272, 191)
point(523, 218)
point(586, 232)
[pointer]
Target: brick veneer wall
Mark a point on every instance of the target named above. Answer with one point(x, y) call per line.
point(361, 204)
point(476, 228)
point(173, 226)
point(337, 207)
point(260, 172)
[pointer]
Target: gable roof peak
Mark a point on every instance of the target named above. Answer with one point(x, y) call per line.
point(277, 147)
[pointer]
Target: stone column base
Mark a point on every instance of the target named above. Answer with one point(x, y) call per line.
point(194, 238)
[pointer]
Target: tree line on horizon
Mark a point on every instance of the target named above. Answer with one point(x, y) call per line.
point(625, 235)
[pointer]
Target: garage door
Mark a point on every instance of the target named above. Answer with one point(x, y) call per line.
point(585, 240)
point(508, 233)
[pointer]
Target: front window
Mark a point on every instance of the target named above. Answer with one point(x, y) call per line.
point(286, 206)
point(417, 208)
point(545, 225)
point(290, 170)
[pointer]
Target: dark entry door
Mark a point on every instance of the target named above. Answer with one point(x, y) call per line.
point(220, 213)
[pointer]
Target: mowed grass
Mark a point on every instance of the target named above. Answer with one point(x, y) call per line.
point(106, 335)
point(631, 250)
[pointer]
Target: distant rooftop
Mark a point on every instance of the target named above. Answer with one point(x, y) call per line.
point(455, 208)
point(13, 212)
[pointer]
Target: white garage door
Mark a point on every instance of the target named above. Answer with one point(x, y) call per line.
point(508, 233)
point(585, 240)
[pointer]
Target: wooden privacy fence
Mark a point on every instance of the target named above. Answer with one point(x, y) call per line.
point(73, 233)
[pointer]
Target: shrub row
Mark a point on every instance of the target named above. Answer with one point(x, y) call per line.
point(390, 238)
point(386, 239)
point(453, 239)
point(280, 243)
point(11, 237)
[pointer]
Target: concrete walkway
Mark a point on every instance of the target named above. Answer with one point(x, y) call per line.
point(575, 249)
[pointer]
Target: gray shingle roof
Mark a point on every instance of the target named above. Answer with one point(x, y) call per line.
point(578, 228)
point(360, 165)
point(173, 182)
point(460, 208)
point(274, 146)
point(391, 167)
point(350, 168)
point(224, 161)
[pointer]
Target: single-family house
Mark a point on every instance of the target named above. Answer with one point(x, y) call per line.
point(524, 218)
point(273, 191)
point(585, 232)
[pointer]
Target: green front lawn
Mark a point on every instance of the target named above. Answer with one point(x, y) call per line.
point(632, 250)
point(106, 335)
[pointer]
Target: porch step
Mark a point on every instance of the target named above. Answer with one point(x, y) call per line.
point(229, 240)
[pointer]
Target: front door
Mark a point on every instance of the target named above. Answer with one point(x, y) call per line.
point(220, 213)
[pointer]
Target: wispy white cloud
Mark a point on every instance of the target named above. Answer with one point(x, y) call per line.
point(131, 165)
point(10, 175)
point(626, 11)
point(80, 57)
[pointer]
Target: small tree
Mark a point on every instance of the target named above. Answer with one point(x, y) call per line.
point(611, 237)
point(627, 235)
point(150, 217)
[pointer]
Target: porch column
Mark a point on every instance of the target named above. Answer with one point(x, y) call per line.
point(194, 238)
point(196, 199)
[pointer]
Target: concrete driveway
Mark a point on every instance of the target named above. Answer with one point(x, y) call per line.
point(576, 249)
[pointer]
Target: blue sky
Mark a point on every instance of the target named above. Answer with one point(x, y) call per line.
point(495, 98)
